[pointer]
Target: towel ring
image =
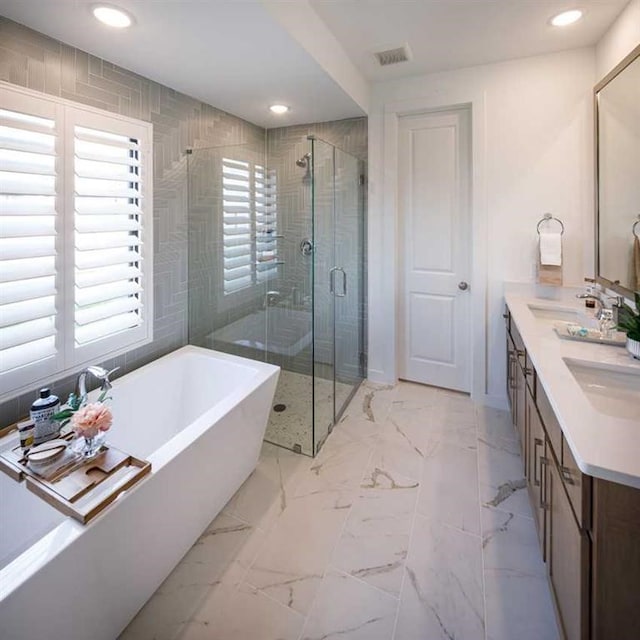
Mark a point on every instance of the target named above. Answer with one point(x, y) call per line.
point(633, 228)
point(548, 216)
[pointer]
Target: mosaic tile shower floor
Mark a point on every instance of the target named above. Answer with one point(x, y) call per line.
point(292, 426)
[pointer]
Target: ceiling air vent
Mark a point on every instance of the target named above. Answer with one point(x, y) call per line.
point(393, 56)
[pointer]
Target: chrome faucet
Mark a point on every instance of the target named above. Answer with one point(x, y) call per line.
point(97, 372)
point(598, 300)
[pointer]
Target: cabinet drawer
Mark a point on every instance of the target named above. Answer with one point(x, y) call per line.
point(577, 485)
point(550, 422)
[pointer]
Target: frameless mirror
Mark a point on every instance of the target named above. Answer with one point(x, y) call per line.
point(617, 114)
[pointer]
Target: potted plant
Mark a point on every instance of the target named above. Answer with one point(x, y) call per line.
point(629, 321)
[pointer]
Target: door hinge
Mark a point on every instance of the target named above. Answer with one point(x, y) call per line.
point(363, 361)
point(361, 180)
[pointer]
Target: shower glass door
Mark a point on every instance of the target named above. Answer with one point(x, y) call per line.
point(338, 284)
point(348, 294)
point(323, 216)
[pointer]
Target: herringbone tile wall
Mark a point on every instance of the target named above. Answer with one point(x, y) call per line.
point(33, 60)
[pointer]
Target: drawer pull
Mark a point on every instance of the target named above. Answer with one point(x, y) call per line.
point(520, 352)
point(528, 371)
point(544, 461)
point(566, 475)
point(505, 316)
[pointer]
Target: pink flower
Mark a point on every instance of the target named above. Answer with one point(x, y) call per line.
point(89, 420)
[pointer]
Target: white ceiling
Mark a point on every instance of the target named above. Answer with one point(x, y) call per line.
point(449, 34)
point(228, 53)
point(234, 55)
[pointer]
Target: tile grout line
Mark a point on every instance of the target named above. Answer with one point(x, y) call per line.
point(482, 549)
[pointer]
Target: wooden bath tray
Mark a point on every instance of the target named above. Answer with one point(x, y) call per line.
point(82, 492)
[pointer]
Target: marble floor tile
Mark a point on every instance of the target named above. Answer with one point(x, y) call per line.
point(192, 581)
point(495, 424)
point(371, 402)
point(399, 450)
point(242, 613)
point(374, 544)
point(338, 467)
point(442, 595)
point(501, 475)
point(449, 490)
point(518, 599)
point(348, 609)
point(292, 561)
point(411, 395)
point(263, 496)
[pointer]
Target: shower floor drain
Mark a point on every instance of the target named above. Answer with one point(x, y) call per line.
point(279, 408)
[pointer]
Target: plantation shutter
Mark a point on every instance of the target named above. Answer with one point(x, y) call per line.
point(236, 225)
point(108, 234)
point(28, 237)
point(249, 224)
point(75, 237)
point(265, 222)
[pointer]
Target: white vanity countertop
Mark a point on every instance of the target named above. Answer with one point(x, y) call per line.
point(604, 446)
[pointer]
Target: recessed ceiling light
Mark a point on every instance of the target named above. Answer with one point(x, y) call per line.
point(279, 108)
point(112, 16)
point(566, 18)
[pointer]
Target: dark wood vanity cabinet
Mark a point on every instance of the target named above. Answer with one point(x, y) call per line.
point(615, 562)
point(589, 529)
point(567, 558)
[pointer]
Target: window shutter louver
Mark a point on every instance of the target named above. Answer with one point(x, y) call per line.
point(265, 208)
point(107, 228)
point(28, 208)
point(249, 224)
point(236, 222)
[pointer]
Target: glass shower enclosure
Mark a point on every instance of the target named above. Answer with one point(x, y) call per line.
point(276, 259)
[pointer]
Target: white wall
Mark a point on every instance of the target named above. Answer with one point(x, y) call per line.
point(537, 157)
point(619, 40)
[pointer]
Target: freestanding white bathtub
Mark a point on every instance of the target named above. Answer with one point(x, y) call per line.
point(199, 416)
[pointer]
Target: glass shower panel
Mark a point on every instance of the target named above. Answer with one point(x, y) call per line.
point(289, 294)
point(226, 295)
point(324, 278)
point(349, 286)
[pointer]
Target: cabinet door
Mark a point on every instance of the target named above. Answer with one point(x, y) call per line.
point(567, 561)
point(536, 451)
point(616, 561)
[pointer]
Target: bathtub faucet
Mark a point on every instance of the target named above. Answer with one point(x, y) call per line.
point(98, 373)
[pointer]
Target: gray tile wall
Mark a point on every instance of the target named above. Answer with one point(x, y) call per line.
point(30, 59)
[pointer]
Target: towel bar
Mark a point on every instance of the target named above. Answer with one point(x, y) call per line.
point(548, 216)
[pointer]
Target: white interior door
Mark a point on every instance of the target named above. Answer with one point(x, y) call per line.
point(435, 242)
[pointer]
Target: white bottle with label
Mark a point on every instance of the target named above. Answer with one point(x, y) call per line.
point(42, 412)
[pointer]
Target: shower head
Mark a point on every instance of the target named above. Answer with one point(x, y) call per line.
point(304, 161)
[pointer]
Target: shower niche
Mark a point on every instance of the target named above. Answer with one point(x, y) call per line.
point(276, 233)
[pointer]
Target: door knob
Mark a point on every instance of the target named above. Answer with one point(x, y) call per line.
point(463, 286)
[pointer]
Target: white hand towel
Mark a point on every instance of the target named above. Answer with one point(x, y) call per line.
point(551, 248)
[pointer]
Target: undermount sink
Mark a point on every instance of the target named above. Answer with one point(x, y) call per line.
point(555, 313)
point(611, 389)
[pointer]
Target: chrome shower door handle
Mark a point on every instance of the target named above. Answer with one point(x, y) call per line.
point(344, 283)
point(332, 280)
